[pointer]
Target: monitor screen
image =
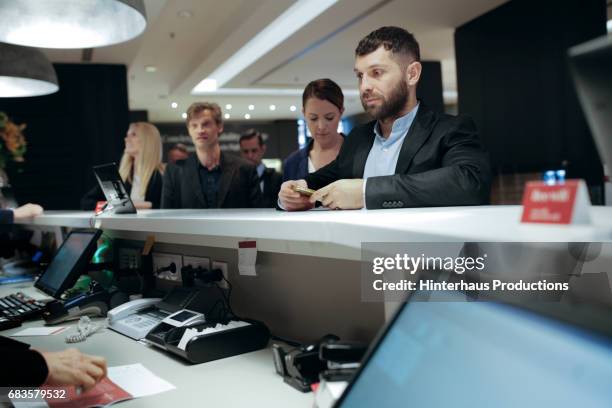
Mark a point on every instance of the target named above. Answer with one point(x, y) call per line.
point(482, 354)
point(182, 316)
point(117, 197)
point(68, 263)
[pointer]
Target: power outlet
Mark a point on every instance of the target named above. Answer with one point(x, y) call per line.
point(162, 261)
point(129, 258)
point(196, 261)
point(223, 266)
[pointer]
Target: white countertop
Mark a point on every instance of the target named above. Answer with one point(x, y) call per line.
point(336, 234)
point(246, 380)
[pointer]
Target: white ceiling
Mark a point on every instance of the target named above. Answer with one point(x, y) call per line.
point(185, 50)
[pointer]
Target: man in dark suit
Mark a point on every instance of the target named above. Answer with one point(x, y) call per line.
point(252, 149)
point(409, 156)
point(209, 178)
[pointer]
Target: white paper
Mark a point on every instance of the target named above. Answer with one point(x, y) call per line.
point(190, 333)
point(40, 331)
point(138, 381)
point(247, 257)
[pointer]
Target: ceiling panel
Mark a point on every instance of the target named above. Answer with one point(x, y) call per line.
point(185, 50)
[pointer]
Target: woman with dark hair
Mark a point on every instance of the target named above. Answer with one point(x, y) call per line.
point(322, 106)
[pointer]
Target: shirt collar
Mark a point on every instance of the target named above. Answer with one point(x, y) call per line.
point(400, 126)
point(260, 169)
point(218, 167)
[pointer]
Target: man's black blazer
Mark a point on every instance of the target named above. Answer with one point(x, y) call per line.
point(272, 184)
point(238, 186)
point(441, 163)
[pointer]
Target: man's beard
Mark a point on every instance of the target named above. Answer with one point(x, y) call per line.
point(391, 106)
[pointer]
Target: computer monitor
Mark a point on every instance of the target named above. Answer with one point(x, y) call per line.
point(481, 354)
point(117, 199)
point(69, 262)
point(591, 65)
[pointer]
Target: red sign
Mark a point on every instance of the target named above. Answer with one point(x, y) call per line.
point(247, 244)
point(100, 206)
point(551, 204)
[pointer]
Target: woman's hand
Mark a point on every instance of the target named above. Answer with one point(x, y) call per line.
point(143, 205)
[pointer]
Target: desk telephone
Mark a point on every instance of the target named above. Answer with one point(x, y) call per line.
point(135, 318)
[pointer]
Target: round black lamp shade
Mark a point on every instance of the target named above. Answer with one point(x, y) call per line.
point(25, 71)
point(70, 23)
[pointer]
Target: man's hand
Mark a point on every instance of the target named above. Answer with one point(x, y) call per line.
point(27, 211)
point(71, 367)
point(292, 201)
point(344, 194)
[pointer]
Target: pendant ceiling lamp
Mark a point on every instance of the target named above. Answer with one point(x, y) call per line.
point(25, 71)
point(70, 23)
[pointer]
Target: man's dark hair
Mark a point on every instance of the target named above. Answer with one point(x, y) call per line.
point(394, 39)
point(197, 107)
point(326, 90)
point(251, 133)
point(180, 147)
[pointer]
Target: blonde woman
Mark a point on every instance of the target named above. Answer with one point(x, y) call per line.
point(140, 168)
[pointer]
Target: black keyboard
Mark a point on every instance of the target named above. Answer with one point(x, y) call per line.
point(8, 323)
point(18, 306)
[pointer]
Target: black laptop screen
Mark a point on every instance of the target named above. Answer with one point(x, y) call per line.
point(68, 263)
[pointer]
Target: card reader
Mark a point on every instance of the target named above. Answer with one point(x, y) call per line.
point(182, 318)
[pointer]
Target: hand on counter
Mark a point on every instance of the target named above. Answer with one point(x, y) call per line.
point(291, 200)
point(27, 211)
point(143, 205)
point(346, 194)
point(71, 367)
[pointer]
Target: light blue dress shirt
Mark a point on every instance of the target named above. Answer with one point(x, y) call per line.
point(260, 171)
point(384, 153)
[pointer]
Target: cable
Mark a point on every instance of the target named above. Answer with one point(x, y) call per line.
point(286, 341)
point(227, 297)
point(85, 328)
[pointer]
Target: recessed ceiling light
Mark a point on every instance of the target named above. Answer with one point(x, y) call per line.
point(295, 92)
point(292, 108)
point(185, 13)
point(207, 85)
point(247, 116)
point(228, 106)
point(272, 107)
point(184, 115)
point(251, 107)
point(150, 68)
point(174, 105)
point(226, 116)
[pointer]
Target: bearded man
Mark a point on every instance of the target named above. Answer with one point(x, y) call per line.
point(409, 156)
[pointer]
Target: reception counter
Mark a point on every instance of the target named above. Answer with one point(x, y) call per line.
point(308, 274)
point(332, 234)
point(309, 263)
